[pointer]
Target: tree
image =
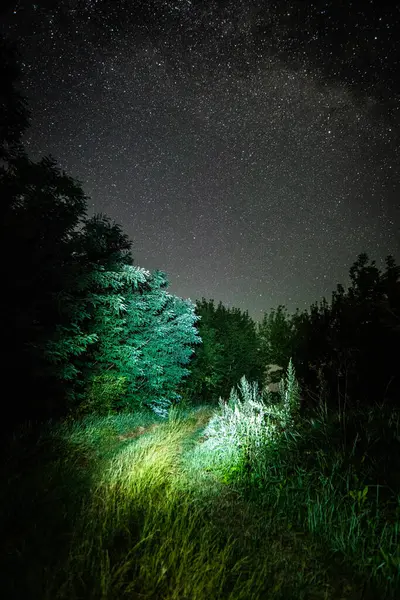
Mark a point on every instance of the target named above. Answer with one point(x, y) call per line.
point(276, 337)
point(158, 341)
point(345, 343)
point(206, 368)
point(92, 304)
point(229, 350)
point(41, 209)
point(82, 324)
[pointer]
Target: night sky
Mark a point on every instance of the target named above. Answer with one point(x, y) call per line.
point(249, 149)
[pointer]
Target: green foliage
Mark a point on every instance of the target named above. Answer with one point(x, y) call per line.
point(93, 334)
point(250, 425)
point(154, 344)
point(66, 282)
point(139, 523)
point(143, 517)
point(207, 365)
point(290, 392)
point(90, 331)
point(229, 349)
point(81, 307)
point(104, 394)
point(275, 333)
point(337, 483)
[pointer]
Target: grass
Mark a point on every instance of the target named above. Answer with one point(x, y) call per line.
point(132, 506)
point(337, 480)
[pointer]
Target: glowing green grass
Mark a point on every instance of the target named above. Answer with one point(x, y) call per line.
point(151, 535)
point(134, 507)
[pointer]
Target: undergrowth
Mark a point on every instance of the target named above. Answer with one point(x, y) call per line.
point(249, 501)
point(335, 480)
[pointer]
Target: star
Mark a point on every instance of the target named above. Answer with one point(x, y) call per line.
point(271, 130)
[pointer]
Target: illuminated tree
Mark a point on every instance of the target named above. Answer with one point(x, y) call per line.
point(158, 341)
point(87, 326)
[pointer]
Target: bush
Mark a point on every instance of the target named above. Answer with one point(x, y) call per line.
point(250, 424)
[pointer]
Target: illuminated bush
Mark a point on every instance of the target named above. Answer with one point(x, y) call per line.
point(250, 422)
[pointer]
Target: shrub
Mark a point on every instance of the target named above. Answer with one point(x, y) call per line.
point(251, 423)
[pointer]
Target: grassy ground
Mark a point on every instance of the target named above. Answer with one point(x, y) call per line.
point(134, 507)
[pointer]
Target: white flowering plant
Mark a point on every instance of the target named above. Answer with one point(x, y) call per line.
point(250, 423)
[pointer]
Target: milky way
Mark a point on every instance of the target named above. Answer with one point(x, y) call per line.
point(251, 153)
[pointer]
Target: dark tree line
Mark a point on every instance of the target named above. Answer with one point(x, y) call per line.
point(352, 342)
point(229, 350)
point(345, 352)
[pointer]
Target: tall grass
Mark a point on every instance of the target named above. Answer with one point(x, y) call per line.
point(243, 503)
point(315, 476)
point(140, 536)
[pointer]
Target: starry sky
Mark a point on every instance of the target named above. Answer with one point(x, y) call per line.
point(249, 149)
